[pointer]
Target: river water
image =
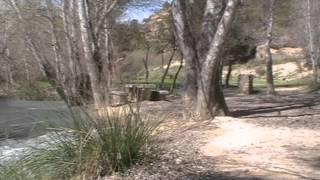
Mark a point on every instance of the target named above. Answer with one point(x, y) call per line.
point(22, 124)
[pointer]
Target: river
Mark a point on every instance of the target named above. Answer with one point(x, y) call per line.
point(22, 123)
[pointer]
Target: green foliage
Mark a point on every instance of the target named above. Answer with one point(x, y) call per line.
point(129, 36)
point(261, 82)
point(91, 147)
point(39, 90)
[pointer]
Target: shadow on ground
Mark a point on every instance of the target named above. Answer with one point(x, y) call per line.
point(219, 176)
point(282, 105)
point(275, 109)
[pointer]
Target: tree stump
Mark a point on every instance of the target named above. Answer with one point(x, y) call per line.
point(245, 84)
point(119, 98)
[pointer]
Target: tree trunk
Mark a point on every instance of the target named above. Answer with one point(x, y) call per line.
point(167, 69)
point(109, 56)
point(187, 46)
point(26, 67)
point(88, 53)
point(210, 98)
point(92, 34)
point(55, 43)
point(173, 86)
point(9, 77)
point(228, 75)
point(146, 64)
point(68, 27)
point(212, 15)
point(269, 72)
point(162, 59)
point(48, 70)
point(310, 34)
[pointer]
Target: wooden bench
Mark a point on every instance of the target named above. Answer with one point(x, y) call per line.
point(119, 98)
point(159, 95)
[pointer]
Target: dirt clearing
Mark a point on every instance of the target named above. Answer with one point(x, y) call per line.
point(266, 138)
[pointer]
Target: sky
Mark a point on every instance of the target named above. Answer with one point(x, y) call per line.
point(142, 13)
point(139, 15)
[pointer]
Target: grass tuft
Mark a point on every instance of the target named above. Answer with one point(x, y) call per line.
point(93, 146)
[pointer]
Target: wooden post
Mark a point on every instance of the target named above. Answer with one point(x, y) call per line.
point(246, 84)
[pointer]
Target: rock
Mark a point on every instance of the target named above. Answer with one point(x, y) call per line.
point(178, 161)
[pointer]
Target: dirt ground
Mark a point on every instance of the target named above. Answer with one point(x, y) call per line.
point(264, 138)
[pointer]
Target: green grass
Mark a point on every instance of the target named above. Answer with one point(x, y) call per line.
point(89, 148)
point(167, 83)
point(155, 77)
point(261, 82)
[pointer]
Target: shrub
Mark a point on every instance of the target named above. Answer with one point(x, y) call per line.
point(91, 147)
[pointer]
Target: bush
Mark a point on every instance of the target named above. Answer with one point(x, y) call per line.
point(91, 147)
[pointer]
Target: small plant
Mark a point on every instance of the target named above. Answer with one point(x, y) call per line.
point(91, 147)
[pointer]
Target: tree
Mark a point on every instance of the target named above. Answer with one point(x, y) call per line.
point(203, 59)
point(167, 69)
point(65, 31)
point(146, 63)
point(311, 30)
point(92, 17)
point(269, 72)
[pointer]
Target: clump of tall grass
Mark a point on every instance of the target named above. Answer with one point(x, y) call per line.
point(91, 147)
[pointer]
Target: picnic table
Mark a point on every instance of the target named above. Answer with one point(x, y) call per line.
point(139, 92)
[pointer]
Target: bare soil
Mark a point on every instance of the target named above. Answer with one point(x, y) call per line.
point(266, 137)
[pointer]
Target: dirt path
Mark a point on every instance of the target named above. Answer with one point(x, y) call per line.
point(274, 153)
point(274, 138)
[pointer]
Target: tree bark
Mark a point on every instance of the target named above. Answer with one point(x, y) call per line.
point(88, 53)
point(269, 71)
point(69, 30)
point(203, 60)
point(212, 15)
point(210, 99)
point(187, 46)
point(92, 42)
point(109, 56)
point(228, 75)
point(56, 48)
point(310, 34)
